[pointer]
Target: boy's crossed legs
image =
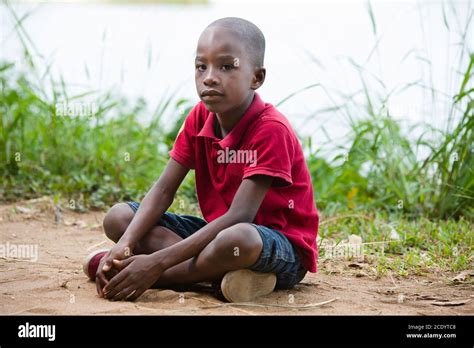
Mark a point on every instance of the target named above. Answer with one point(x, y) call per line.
point(241, 246)
point(236, 247)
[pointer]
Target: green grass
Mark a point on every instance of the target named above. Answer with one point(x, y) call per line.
point(381, 168)
point(423, 246)
point(96, 160)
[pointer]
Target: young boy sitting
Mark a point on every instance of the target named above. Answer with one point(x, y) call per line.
point(252, 182)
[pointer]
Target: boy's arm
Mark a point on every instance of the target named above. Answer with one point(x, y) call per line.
point(244, 207)
point(154, 204)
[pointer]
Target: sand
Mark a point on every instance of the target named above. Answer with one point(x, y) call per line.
point(55, 284)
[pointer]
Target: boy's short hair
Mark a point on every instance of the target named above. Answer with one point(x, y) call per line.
point(251, 36)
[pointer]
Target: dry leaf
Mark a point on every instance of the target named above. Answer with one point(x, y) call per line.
point(355, 265)
point(79, 223)
point(463, 275)
point(394, 234)
point(429, 297)
point(451, 303)
point(40, 199)
point(386, 292)
point(68, 222)
point(355, 239)
point(25, 210)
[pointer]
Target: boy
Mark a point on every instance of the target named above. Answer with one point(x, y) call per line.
point(252, 182)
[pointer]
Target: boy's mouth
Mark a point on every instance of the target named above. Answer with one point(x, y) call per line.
point(211, 94)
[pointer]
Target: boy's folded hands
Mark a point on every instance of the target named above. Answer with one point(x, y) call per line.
point(106, 269)
point(135, 275)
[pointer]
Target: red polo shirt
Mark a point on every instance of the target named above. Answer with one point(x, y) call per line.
point(262, 142)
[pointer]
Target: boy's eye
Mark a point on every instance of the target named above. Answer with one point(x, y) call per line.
point(200, 67)
point(227, 67)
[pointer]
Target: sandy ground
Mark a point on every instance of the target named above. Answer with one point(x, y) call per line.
point(55, 283)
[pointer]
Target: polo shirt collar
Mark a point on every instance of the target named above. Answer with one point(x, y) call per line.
point(232, 139)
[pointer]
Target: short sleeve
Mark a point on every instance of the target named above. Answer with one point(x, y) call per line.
point(183, 150)
point(273, 147)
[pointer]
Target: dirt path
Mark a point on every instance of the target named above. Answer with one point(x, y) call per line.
point(55, 284)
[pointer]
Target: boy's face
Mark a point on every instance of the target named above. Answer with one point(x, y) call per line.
point(225, 76)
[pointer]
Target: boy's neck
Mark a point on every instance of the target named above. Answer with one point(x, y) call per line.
point(226, 122)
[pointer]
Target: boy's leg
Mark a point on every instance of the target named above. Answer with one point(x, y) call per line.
point(259, 248)
point(239, 246)
point(236, 247)
point(119, 217)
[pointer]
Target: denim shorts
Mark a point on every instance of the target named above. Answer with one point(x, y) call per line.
point(278, 254)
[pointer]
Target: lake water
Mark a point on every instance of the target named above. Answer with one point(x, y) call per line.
point(147, 50)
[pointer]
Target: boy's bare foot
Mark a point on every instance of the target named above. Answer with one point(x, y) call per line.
point(91, 262)
point(245, 285)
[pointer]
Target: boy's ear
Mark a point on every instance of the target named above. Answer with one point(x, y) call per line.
point(258, 78)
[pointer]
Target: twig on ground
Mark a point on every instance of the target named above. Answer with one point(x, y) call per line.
point(217, 304)
point(261, 305)
point(243, 304)
point(451, 303)
point(12, 280)
point(12, 259)
point(393, 281)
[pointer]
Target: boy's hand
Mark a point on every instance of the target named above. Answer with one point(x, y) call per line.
point(120, 251)
point(137, 274)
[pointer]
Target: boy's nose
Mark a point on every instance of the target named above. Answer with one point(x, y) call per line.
point(210, 78)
